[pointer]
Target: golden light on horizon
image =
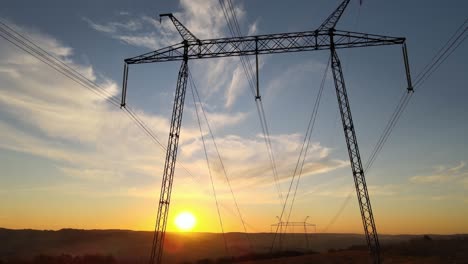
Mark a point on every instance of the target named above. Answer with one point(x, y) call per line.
point(185, 221)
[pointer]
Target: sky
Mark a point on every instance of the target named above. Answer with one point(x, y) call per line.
point(69, 159)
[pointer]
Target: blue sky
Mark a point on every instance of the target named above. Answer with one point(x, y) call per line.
point(69, 159)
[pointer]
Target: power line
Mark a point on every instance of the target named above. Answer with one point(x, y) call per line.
point(194, 87)
point(233, 26)
point(312, 120)
point(260, 107)
point(58, 69)
point(209, 172)
point(302, 154)
point(442, 51)
point(52, 62)
point(441, 60)
point(446, 50)
point(27, 45)
point(338, 213)
point(232, 29)
point(324, 38)
point(437, 60)
point(404, 100)
point(266, 137)
point(248, 62)
point(20, 41)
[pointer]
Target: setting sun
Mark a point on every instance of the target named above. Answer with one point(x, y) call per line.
point(185, 221)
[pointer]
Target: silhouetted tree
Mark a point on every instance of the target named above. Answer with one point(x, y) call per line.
point(427, 238)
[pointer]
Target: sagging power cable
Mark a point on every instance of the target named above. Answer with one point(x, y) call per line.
point(233, 26)
point(209, 170)
point(195, 91)
point(452, 44)
point(302, 155)
point(310, 129)
point(30, 47)
point(25, 44)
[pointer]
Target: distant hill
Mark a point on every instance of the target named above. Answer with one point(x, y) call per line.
point(133, 246)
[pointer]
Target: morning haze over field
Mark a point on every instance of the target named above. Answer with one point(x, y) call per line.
point(71, 158)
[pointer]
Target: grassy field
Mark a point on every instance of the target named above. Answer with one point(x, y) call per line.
point(123, 246)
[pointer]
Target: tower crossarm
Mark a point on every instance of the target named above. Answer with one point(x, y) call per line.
point(183, 31)
point(265, 44)
point(326, 37)
point(333, 19)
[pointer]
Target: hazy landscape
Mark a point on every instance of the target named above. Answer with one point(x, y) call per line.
point(233, 118)
point(124, 246)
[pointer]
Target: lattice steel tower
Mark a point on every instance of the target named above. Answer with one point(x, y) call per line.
point(326, 37)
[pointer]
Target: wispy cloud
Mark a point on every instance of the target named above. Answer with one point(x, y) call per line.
point(114, 27)
point(205, 19)
point(47, 115)
point(458, 168)
point(431, 178)
point(236, 86)
point(443, 174)
point(253, 28)
point(220, 119)
point(124, 13)
point(57, 119)
point(137, 31)
point(247, 163)
point(283, 80)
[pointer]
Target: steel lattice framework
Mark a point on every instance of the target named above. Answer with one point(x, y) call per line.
point(326, 37)
point(354, 157)
point(265, 44)
point(171, 155)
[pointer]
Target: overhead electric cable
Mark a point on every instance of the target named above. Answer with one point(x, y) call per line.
point(442, 51)
point(436, 61)
point(313, 118)
point(69, 72)
point(302, 155)
point(194, 87)
point(27, 45)
point(209, 171)
point(233, 26)
point(233, 32)
point(266, 137)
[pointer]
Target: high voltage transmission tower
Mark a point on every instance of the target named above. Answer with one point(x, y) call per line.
point(283, 226)
point(326, 37)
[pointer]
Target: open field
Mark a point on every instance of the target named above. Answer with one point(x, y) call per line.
point(133, 246)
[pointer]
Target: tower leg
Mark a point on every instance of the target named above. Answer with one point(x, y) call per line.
point(169, 165)
point(355, 158)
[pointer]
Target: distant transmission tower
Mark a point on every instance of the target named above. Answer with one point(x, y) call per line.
point(283, 227)
point(325, 37)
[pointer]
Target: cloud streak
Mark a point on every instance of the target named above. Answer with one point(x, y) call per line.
point(47, 115)
point(205, 19)
point(443, 174)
